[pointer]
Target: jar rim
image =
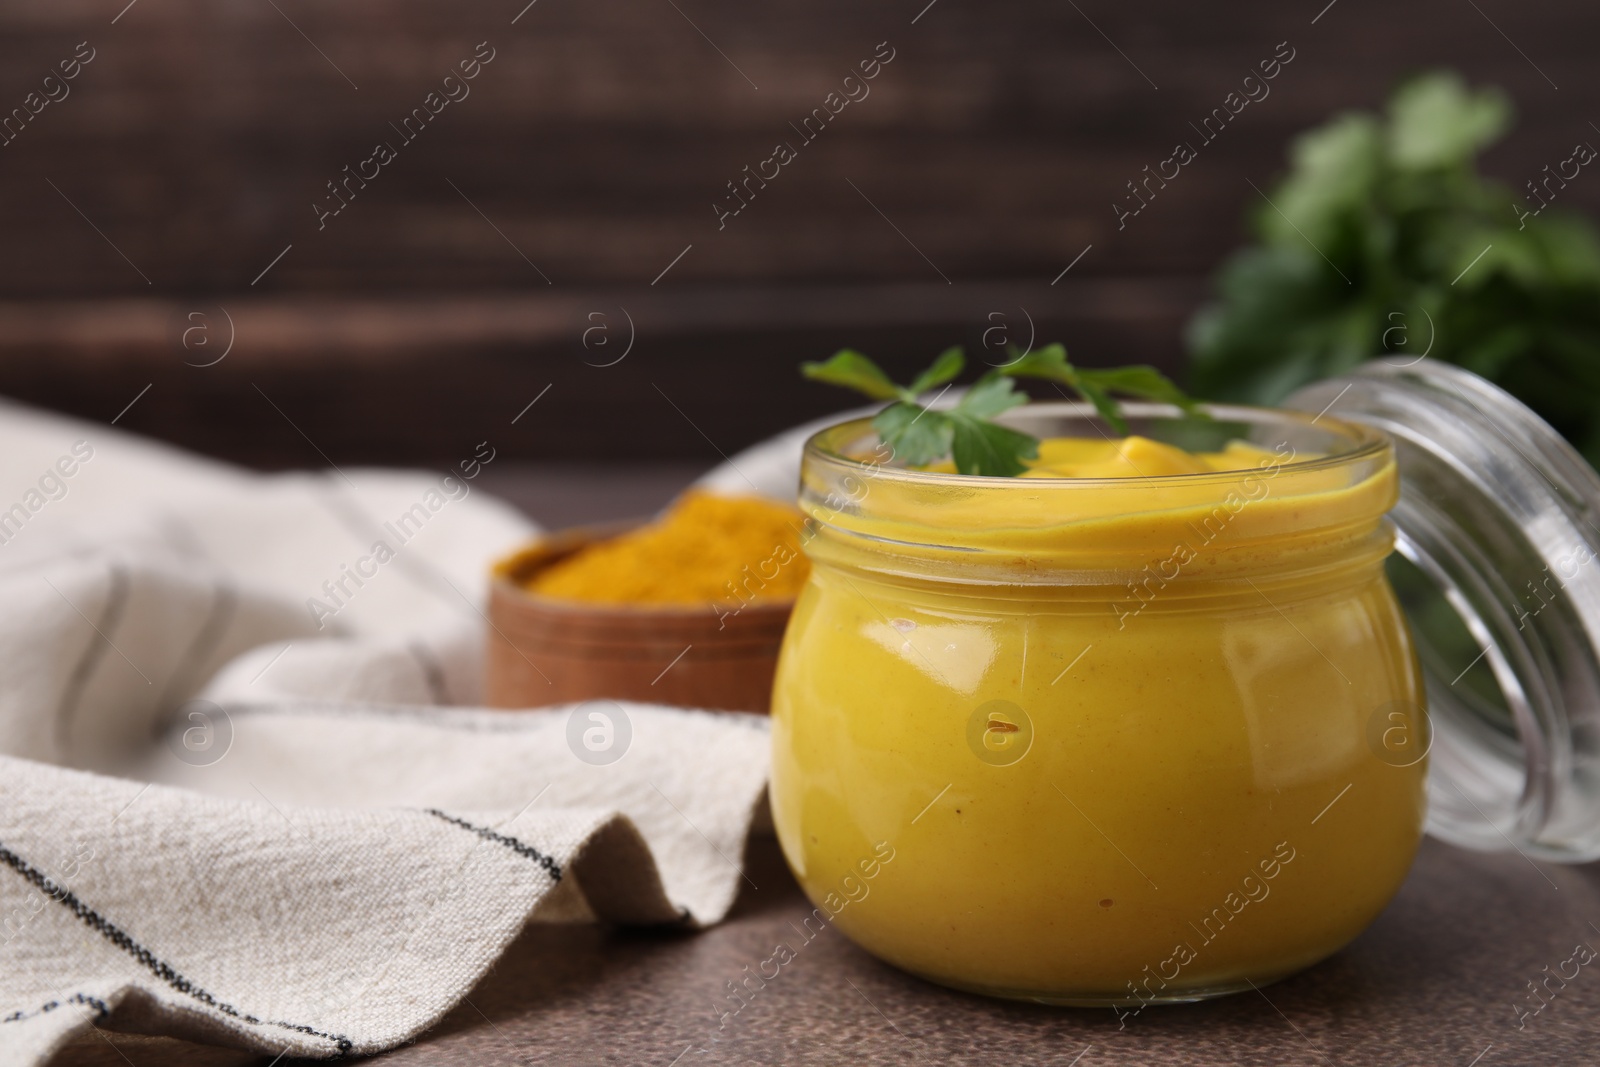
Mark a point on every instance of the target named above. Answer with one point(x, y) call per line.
point(1365, 442)
point(1315, 499)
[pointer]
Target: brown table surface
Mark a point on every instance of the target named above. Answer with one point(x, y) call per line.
point(1436, 980)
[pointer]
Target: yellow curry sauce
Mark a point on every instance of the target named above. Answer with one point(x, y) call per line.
point(1114, 724)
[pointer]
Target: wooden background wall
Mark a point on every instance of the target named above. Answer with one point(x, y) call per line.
point(460, 282)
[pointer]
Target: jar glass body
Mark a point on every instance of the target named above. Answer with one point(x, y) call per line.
point(1100, 743)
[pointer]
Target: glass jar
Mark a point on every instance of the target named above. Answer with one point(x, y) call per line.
point(1102, 741)
point(1497, 533)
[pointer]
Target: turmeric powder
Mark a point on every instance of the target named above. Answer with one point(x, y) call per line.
point(706, 548)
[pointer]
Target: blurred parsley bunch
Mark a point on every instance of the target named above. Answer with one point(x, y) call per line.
point(1387, 211)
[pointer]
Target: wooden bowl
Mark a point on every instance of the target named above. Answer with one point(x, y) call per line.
point(548, 651)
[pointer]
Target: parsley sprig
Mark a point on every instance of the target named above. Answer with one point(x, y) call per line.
point(966, 431)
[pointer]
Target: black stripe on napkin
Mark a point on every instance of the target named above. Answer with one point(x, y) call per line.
point(501, 839)
point(159, 968)
point(99, 1006)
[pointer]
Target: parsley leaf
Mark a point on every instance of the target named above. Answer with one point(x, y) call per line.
point(944, 369)
point(855, 371)
point(1429, 258)
point(917, 435)
point(966, 431)
point(1096, 386)
point(980, 446)
point(990, 396)
point(922, 435)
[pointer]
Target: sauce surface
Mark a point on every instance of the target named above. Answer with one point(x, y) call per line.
point(1128, 457)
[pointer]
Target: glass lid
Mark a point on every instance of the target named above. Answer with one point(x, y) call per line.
point(1497, 533)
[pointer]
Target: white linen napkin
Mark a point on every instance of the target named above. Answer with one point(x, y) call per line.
point(233, 805)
